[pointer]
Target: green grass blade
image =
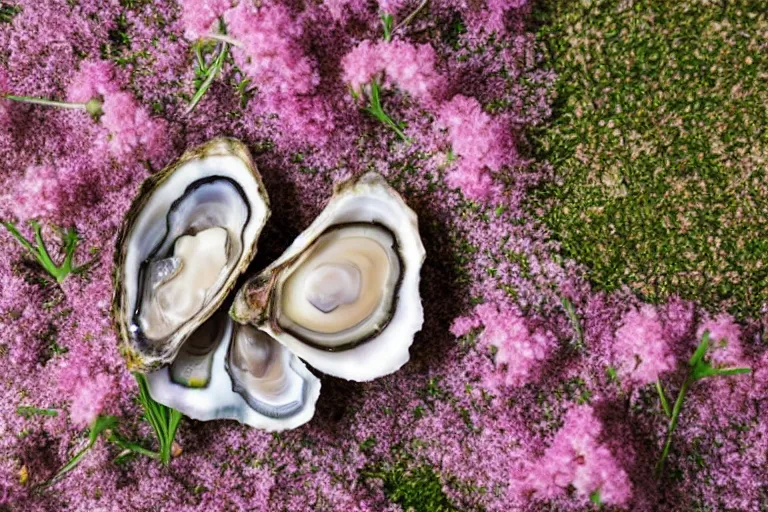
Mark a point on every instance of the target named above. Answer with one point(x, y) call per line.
point(28, 410)
point(210, 77)
point(663, 398)
point(701, 350)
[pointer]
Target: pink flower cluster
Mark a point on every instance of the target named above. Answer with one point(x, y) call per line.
point(270, 54)
point(38, 193)
point(481, 143)
point(132, 132)
point(642, 351)
point(521, 349)
point(576, 458)
point(408, 67)
point(91, 395)
point(199, 16)
point(724, 340)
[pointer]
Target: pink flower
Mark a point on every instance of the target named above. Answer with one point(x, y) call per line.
point(199, 16)
point(411, 68)
point(641, 348)
point(521, 350)
point(391, 6)
point(760, 378)
point(462, 325)
point(340, 9)
point(724, 340)
point(270, 54)
point(576, 458)
point(91, 395)
point(492, 19)
point(39, 193)
point(93, 79)
point(402, 65)
point(308, 119)
point(363, 63)
point(475, 183)
point(480, 142)
point(133, 133)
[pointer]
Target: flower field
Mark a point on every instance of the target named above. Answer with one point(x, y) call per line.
point(589, 179)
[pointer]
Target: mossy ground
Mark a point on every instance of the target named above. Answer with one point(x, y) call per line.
point(659, 142)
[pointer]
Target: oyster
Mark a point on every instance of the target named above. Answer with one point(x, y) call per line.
point(188, 236)
point(344, 297)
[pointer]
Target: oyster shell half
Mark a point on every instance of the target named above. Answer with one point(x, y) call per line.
point(231, 371)
point(344, 296)
point(187, 237)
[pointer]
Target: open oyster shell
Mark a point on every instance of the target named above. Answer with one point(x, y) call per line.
point(189, 234)
point(344, 297)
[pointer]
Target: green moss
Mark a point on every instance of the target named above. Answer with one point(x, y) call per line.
point(415, 489)
point(660, 144)
point(8, 11)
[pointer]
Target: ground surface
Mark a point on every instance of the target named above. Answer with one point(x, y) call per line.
point(589, 180)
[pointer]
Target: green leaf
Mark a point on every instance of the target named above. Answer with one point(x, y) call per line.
point(98, 426)
point(210, 75)
point(40, 251)
point(386, 22)
point(164, 420)
point(701, 350)
point(570, 311)
point(28, 410)
point(377, 111)
point(733, 371)
point(595, 498)
point(663, 398)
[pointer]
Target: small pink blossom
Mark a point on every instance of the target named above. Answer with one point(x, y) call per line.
point(481, 143)
point(462, 325)
point(397, 64)
point(391, 6)
point(576, 458)
point(642, 350)
point(340, 10)
point(309, 119)
point(760, 378)
point(493, 18)
point(94, 79)
point(90, 397)
point(363, 63)
point(521, 349)
point(411, 68)
point(724, 340)
point(38, 194)
point(199, 16)
point(133, 133)
point(270, 54)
